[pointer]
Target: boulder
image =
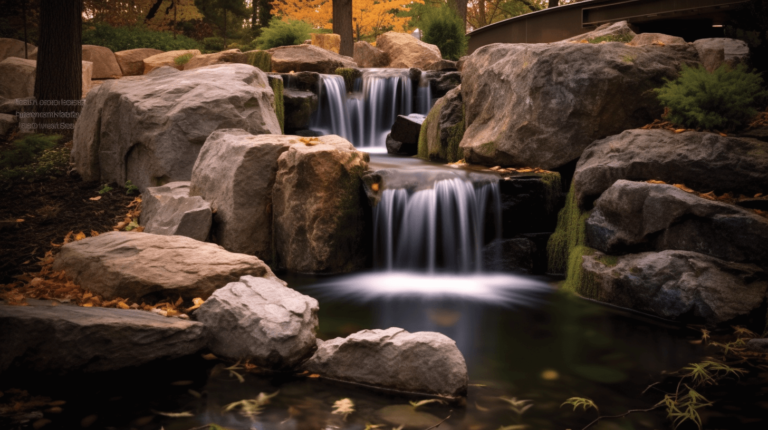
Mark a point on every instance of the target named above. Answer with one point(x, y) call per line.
point(406, 128)
point(167, 59)
point(369, 56)
point(677, 285)
point(64, 338)
point(169, 210)
point(302, 81)
point(421, 362)
point(150, 130)
point(131, 61)
point(18, 78)
point(105, 64)
point(228, 56)
point(760, 133)
point(236, 172)
point(758, 345)
point(541, 105)
point(617, 30)
point(7, 123)
point(405, 51)
point(87, 74)
point(131, 265)
point(444, 82)
point(260, 320)
point(657, 39)
point(718, 51)
point(15, 48)
point(443, 129)
point(703, 161)
point(299, 107)
point(443, 66)
point(307, 58)
point(395, 147)
point(318, 208)
point(639, 216)
point(329, 42)
point(510, 255)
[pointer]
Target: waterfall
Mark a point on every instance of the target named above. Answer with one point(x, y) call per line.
point(366, 114)
point(423, 95)
point(435, 229)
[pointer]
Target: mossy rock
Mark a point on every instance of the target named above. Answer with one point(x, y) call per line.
point(260, 59)
point(276, 83)
point(350, 75)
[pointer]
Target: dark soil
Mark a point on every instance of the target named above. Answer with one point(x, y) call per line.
point(51, 209)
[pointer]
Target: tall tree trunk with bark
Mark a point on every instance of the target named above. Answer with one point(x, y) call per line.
point(58, 79)
point(461, 8)
point(342, 25)
point(265, 12)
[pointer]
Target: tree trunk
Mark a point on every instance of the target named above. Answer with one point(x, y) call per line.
point(24, 11)
point(481, 10)
point(225, 29)
point(265, 11)
point(342, 25)
point(461, 8)
point(554, 3)
point(58, 79)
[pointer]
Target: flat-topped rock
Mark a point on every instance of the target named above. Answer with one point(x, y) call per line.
point(318, 211)
point(150, 129)
point(678, 285)
point(421, 362)
point(18, 78)
point(167, 59)
point(703, 161)
point(639, 216)
point(169, 210)
point(307, 58)
point(15, 48)
point(406, 128)
point(299, 107)
point(619, 29)
point(131, 61)
point(64, 338)
point(405, 51)
point(228, 56)
point(105, 65)
point(132, 265)
point(369, 56)
point(260, 320)
point(716, 52)
point(657, 39)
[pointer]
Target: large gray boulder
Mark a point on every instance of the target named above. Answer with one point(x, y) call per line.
point(260, 320)
point(616, 30)
point(703, 161)
point(170, 210)
point(658, 39)
point(639, 216)
point(677, 285)
point(406, 51)
point(367, 55)
point(719, 51)
point(15, 48)
point(421, 362)
point(307, 58)
point(150, 130)
point(541, 105)
point(443, 129)
point(406, 128)
point(105, 64)
point(236, 173)
point(18, 78)
point(131, 61)
point(60, 339)
point(132, 265)
point(318, 210)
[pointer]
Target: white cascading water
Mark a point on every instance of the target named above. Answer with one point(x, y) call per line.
point(437, 229)
point(365, 116)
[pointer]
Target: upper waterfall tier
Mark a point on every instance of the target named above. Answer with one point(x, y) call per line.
point(365, 115)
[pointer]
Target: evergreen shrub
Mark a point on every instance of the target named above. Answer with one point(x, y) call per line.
point(122, 38)
point(284, 33)
point(443, 27)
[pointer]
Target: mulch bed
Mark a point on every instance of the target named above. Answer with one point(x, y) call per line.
point(34, 217)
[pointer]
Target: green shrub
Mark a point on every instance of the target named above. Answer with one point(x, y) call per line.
point(183, 59)
point(443, 27)
point(122, 38)
point(725, 99)
point(25, 150)
point(213, 43)
point(284, 33)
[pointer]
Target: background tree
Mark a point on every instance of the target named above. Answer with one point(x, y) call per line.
point(59, 59)
point(342, 25)
point(483, 12)
point(227, 15)
point(18, 16)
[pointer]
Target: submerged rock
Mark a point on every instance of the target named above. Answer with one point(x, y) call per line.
point(60, 339)
point(541, 105)
point(703, 161)
point(169, 210)
point(639, 216)
point(318, 208)
point(150, 130)
point(260, 320)
point(405, 51)
point(132, 265)
point(677, 285)
point(307, 58)
point(422, 362)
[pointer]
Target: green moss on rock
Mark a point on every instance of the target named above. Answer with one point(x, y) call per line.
point(350, 75)
point(277, 88)
point(261, 60)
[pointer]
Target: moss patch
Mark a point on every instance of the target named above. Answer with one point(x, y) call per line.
point(261, 60)
point(277, 88)
point(183, 59)
point(569, 234)
point(552, 187)
point(349, 75)
point(609, 260)
point(577, 280)
point(430, 134)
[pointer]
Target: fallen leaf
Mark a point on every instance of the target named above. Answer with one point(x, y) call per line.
point(94, 233)
point(184, 414)
point(20, 220)
point(684, 188)
point(375, 187)
point(679, 130)
point(653, 181)
point(79, 236)
point(709, 196)
point(95, 199)
point(343, 407)
point(313, 375)
point(122, 305)
point(209, 356)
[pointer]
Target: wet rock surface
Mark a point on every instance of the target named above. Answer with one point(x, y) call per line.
point(422, 362)
point(169, 210)
point(260, 320)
